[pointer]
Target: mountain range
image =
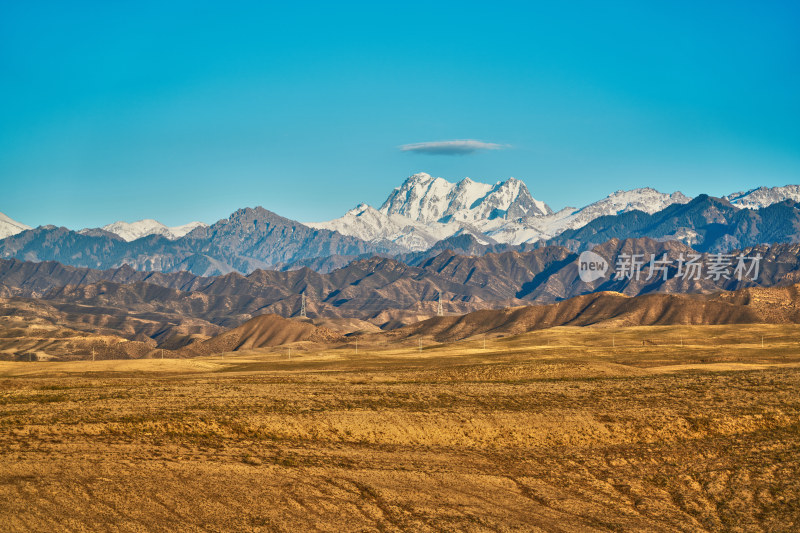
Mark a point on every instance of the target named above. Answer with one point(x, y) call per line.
point(212, 315)
point(419, 219)
point(123, 290)
point(424, 210)
point(174, 309)
point(130, 231)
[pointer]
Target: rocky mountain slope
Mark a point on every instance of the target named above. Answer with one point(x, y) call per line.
point(776, 305)
point(706, 223)
point(176, 308)
point(136, 320)
point(34, 331)
point(247, 240)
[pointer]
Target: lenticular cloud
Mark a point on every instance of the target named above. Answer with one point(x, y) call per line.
point(456, 147)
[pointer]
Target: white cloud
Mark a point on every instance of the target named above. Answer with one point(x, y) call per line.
point(456, 147)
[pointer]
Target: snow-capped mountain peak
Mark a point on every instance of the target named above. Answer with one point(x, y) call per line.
point(130, 231)
point(425, 209)
point(426, 199)
point(644, 199)
point(369, 224)
point(764, 196)
point(9, 226)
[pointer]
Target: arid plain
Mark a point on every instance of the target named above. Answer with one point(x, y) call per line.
point(665, 428)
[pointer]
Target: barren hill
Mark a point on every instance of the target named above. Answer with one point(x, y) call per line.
point(260, 332)
point(776, 305)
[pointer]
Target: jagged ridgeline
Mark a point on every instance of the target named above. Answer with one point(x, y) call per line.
point(420, 219)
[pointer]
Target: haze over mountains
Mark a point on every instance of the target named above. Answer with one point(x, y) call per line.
point(419, 219)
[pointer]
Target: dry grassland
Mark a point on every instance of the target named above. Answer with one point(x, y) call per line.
point(555, 430)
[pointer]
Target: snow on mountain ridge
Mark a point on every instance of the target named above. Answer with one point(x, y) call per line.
point(130, 231)
point(764, 196)
point(425, 209)
point(371, 225)
point(426, 199)
point(644, 199)
point(9, 226)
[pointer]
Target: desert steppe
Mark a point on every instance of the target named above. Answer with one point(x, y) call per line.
point(663, 428)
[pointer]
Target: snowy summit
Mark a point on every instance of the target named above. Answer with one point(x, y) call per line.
point(130, 231)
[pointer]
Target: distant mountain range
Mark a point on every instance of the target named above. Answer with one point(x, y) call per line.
point(249, 239)
point(130, 231)
point(386, 292)
point(419, 219)
point(706, 223)
point(153, 319)
point(424, 210)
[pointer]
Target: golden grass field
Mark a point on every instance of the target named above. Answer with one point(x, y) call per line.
point(672, 428)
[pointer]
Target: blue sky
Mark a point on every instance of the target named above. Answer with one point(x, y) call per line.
point(189, 110)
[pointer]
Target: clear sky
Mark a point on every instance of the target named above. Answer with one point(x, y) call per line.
point(186, 111)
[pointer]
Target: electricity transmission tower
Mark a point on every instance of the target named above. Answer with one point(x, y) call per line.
point(303, 305)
